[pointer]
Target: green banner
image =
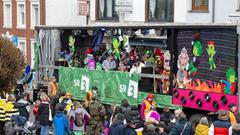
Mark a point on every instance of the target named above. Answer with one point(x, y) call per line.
point(112, 86)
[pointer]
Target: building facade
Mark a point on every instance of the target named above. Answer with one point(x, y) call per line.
point(18, 19)
point(64, 13)
point(207, 11)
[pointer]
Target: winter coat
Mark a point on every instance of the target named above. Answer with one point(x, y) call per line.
point(236, 129)
point(232, 117)
point(134, 116)
point(24, 108)
point(201, 129)
point(167, 117)
point(117, 128)
point(179, 127)
point(44, 114)
point(129, 131)
point(84, 113)
point(61, 124)
point(220, 127)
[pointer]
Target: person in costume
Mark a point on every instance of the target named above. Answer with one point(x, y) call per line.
point(166, 71)
point(182, 68)
point(211, 51)
point(148, 58)
point(230, 83)
point(146, 105)
point(90, 95)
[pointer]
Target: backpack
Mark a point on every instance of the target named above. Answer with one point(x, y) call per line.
point(94, 109)
point(9, 128)
point(79, 120)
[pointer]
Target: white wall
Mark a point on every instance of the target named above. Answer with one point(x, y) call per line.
point(223, 10)
point(183, 12)
point(137, 14)
point(64, 13)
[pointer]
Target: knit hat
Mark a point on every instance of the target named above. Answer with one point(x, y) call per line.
point(150, 95)
point(223, 115)
point(204, 121)
point(231, 105)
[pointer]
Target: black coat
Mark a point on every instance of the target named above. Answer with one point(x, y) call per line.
point(22, 109)
point(129, 131)
point(44, 114)
point(117, 128)
point(179, 127)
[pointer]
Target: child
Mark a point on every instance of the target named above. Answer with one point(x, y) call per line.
point(36, 114)
point(61, 123)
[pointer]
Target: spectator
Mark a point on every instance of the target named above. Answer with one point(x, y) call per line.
point(45, 114)
point(134, 117)
point(152, 117)
point(150, 130)
point(236, 129)
point(61, 123)
point(125, 107)
point(202, 128)
point(131, 61)
point(79, 119)
point(36, 114)
point(97, 112)
point(116, 110)
point(109, 64)
point(122, 67)
point(221, 126)
point(23, 106)
point(130, 128)
point(146, 105)
point(117, 126)
point(177, 115)
point(10, 110)
point(167, 116)
point(136, 68)
point(182, 127)
point(232, 113)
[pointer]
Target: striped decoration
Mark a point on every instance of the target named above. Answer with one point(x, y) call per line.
point(226, 46)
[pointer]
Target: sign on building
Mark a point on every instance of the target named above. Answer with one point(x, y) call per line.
point(83, 7)
point(123, 6)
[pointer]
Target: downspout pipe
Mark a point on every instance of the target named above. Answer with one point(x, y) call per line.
point(238, 67)
point(213, 11)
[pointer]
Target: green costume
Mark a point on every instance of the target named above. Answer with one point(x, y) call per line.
point(97, 112)
point(211, 53)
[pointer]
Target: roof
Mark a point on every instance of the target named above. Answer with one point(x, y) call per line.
point(141, 25)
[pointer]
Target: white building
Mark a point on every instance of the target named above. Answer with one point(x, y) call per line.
point(206, 11)
point(103, 11)
point(64, 13)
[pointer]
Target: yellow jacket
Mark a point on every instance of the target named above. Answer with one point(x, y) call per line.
point(201, 129)
point(2, 109)
point(232, 117)
point(10, 110)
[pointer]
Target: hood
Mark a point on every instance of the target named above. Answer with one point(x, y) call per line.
point(59, 114)
point(116, 123)
point(202, 127)
point(20, 105)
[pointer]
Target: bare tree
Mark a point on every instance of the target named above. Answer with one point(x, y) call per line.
point(12, 63)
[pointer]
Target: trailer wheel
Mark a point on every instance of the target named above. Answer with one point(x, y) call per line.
point(194, 119)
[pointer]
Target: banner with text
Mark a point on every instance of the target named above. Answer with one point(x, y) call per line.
point(112, 86)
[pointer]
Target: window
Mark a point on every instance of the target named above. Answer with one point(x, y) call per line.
point(21, 15)
point(32, 52)
point(106, 10)
point(35, 14)
point(161, 10)
point(199, 4)
point(22, 46)
point(7, 14)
